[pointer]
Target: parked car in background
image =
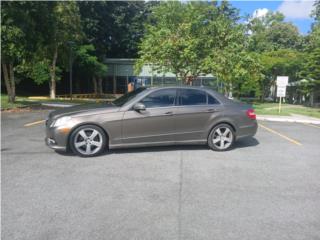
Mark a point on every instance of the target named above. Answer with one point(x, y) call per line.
point(151, 117)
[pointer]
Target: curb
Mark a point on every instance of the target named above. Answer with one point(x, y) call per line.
point(271, 119)
point(62, 105)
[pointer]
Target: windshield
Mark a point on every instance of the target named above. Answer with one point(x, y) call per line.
point(127, 97)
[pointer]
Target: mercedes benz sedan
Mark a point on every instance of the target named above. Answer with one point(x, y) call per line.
point(151, 117)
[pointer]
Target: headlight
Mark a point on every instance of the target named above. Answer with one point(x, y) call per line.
point(60, 122)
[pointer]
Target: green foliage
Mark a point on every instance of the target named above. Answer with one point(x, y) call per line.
point(311, 65)
point(316, 11)
point(190, 39)
point(271, 33)
point(11, 48)
point(88, 62)
point(114, 27)
point(283, 62)
point(175, 38)
point(186, 38)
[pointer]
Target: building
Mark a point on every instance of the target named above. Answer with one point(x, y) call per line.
point(121, 72)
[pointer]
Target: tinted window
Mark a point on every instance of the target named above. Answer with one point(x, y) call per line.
point(161, 98)
point(212, 100)
point(193, 97)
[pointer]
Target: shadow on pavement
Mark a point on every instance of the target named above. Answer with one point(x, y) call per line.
point(241, 143)
point(246, 142)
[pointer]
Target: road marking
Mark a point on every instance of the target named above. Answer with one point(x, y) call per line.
point(281, 135)
point(34, 123)
point(311, 125)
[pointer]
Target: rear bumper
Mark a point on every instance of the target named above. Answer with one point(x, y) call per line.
point(247, 130)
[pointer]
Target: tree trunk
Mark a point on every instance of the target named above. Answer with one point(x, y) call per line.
point(95, 87)
point(9, 81)
point(53, 74)
point(6, 80)
point(12, 83)
point(100, 86)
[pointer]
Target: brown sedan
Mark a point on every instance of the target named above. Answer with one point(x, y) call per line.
point(151, 117)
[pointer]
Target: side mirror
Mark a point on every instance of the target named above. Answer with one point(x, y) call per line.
point(139, 107)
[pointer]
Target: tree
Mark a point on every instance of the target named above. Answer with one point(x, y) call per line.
point(90, 66)
point(283, 62)
point(311, 64)
point(65, 26)
point(12, 45)
point(279, 44)
point(177, 38)
point(114, 27)
point(271, 33)
point(190, 39)
point(316, 11)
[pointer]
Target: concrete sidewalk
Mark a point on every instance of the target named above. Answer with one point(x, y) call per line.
point(59, 105)
point(295, 118)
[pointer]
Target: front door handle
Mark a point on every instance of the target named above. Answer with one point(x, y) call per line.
point(212, 110)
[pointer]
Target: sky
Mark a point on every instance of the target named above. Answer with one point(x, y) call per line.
point(295, 11)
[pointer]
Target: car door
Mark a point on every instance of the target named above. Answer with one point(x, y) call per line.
point(195, 113)
point(155, 125)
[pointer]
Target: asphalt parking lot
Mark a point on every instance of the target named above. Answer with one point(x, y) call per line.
point(267, 187)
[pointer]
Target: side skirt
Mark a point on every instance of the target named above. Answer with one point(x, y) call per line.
point(169, 143)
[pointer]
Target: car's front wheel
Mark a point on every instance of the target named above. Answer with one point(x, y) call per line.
point(88, 141)
point(221, 137)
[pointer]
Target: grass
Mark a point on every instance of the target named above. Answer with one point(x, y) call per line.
point(286, 109)
point(6, 105)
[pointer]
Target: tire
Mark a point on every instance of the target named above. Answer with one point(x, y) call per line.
point(221, 137)
point(88, 141)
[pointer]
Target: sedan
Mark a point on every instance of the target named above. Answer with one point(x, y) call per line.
point(151, 117)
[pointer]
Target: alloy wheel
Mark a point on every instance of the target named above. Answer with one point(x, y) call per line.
point(222, 138)
point(88, 141)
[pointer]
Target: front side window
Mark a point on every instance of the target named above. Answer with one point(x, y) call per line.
point(161, 98)
point(193, 97)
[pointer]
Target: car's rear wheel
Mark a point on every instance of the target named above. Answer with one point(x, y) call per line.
point(88, 141)
point(221, 137)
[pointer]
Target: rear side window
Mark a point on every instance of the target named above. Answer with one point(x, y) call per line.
point(192, 97)
point(161, 98)
point(212, 100)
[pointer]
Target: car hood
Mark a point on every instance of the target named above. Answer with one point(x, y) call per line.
point(92, 108)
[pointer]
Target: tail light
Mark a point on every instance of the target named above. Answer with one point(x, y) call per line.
point(251, 114)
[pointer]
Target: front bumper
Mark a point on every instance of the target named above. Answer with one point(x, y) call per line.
point(51, 143)
point(57, 138)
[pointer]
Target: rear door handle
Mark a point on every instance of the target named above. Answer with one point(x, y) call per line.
point(212, 110)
